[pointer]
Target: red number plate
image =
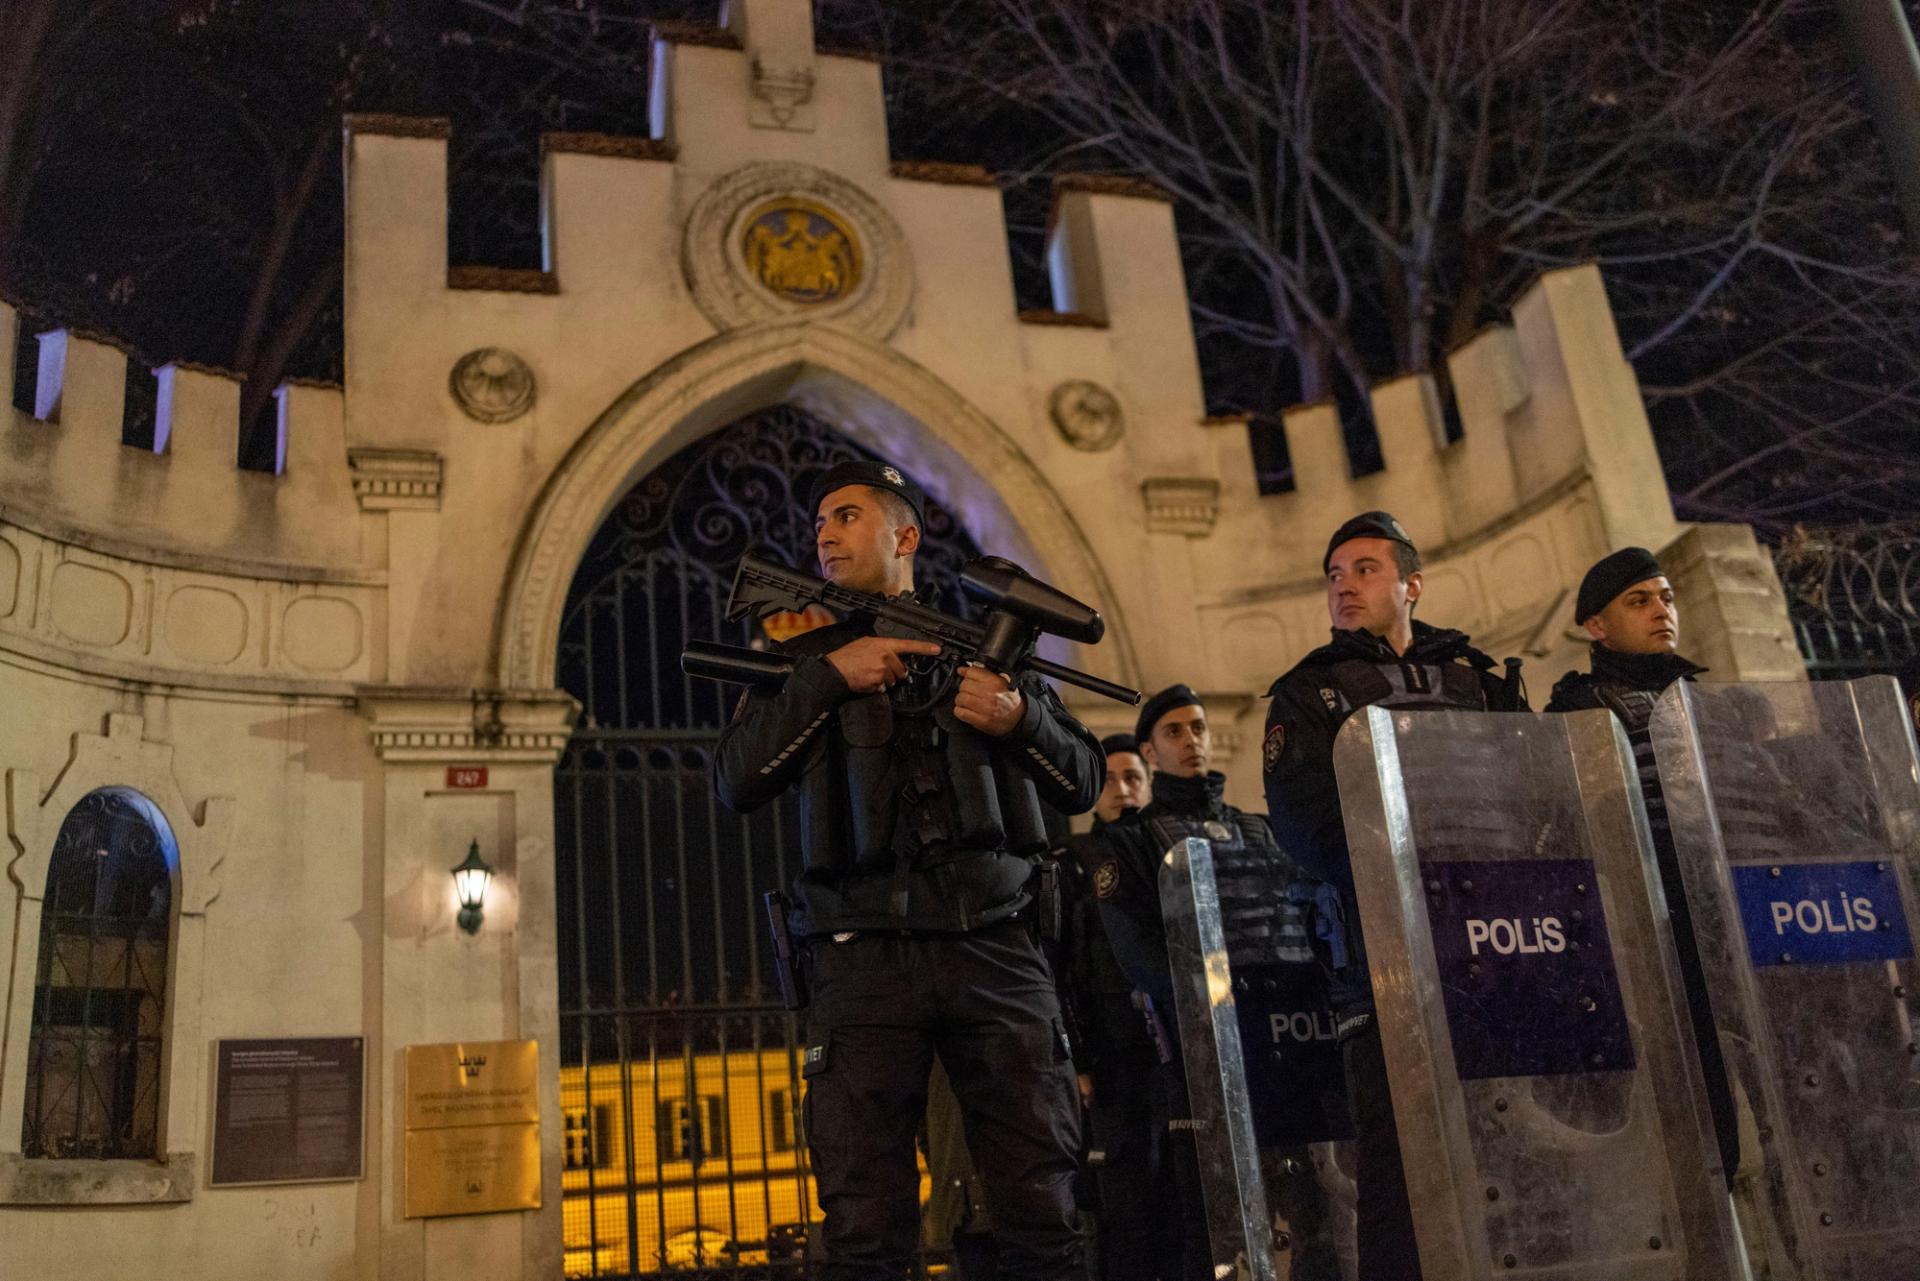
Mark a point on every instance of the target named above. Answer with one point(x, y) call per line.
point(466, 776)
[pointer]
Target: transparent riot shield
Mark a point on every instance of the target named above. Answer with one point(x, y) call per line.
point(1547, 1090)
point(1795, 814)
point(1263, 1083)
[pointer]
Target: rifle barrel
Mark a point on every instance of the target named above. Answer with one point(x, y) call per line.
point(1086, 681)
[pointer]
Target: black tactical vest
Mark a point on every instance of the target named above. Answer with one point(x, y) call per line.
point(924, 789)
point(1360, 683)
point(1288, 1032)
point(1252, 875)
point(1634, 708)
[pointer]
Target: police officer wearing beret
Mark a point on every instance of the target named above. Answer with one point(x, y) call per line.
point(919, 831)
point(1378, 656)
point(1252, 875)
point(1627, 607)
point(1119, 1055)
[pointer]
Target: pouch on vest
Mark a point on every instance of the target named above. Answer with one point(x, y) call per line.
point(866, 727)
point(971, 784)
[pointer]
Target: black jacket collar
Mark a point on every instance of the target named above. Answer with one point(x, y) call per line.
point(1642, 671)
point(1430, 645)
point(1189, 797)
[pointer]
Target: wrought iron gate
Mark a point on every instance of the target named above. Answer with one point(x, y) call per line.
point(680, 1086)
point(1854, 595)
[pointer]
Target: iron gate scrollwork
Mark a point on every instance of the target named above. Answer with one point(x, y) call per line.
point(679, 1077)
point(1854, 596)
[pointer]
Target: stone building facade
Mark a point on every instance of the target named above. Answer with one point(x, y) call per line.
point(285, 665)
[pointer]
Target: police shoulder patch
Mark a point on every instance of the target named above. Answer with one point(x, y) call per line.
point(1273, 748)
point(1106, 879)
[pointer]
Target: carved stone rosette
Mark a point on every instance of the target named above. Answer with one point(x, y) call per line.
point(773, 240)
point(491, 385)
point(1086, 414)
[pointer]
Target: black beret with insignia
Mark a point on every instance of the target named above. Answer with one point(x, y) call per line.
point(1167, 700)
point(1612, 575)
point(1369, 525)
point(1114, 744)
point(880, 476)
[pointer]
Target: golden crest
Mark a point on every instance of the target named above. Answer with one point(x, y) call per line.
point(802, 251)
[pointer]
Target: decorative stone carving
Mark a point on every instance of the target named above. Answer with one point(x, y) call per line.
point(1087, 414)
point(395, 479)
point(92, 605)
point(485, 725)
point(193, 621)
point(1181, 504)
point(782, 91)
point(491, 385)
point(780, 239)
point(321, 633)
point(802, 251)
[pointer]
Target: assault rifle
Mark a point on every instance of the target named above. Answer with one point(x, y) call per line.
point(1020, 610)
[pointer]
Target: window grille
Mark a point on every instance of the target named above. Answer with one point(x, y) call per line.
point(99, 997)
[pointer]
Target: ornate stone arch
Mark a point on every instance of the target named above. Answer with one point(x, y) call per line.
point(879, 397)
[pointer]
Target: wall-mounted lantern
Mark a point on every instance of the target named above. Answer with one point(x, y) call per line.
point(470, 879)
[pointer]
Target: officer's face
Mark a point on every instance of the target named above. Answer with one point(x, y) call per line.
point(1181, 744)
point(1129, 786)
point(858, 546)
point(1641, 620)
point(1364, 589)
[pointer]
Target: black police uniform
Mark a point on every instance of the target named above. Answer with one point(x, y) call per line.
point(1440, 669)
point(1118, 1047)
point(918, 836)
point(1628, 685)
point(1264, 925)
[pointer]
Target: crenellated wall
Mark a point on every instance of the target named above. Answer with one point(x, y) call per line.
point(319, 643)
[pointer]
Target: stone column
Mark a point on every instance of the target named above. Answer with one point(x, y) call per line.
point(439, 984)
point(1733, 615)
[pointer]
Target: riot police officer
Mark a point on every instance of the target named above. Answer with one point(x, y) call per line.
point(1627, 607)
point(1253, 876)
point(1119, 1056)
point(918, 831)
point(1378, 656)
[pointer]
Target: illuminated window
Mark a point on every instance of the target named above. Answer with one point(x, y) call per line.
point(686, 1135)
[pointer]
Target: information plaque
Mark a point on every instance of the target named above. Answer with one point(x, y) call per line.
point(288, 1110)
point(472, 1128)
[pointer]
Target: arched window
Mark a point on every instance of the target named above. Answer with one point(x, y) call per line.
point(94, 1058)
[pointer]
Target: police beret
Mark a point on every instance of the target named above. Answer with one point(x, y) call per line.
point(1612, 575)
point(1114, 743)
point(880, 476)
point(1167, 700)
point(1368, 525)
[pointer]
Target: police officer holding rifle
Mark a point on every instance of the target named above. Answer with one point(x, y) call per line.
point(922, 758)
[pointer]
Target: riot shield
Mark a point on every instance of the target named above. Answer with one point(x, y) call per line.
point(1547, 1090)
point(1795, 813)
point(1263, 1083)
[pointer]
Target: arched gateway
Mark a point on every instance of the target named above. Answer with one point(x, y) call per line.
point(679, 1086)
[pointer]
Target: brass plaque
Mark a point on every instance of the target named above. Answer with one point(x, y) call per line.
point(473, 1169)
point(473, 1083)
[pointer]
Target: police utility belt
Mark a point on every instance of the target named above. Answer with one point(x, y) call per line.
point(1042, 914)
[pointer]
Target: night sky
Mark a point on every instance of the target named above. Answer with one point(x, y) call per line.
point(172, 178)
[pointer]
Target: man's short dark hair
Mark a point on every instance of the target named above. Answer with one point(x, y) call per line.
point(897, 510)
point(1406, 559)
